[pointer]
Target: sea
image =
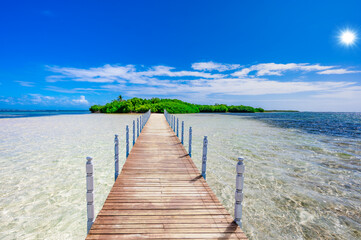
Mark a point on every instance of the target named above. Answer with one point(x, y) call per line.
point(302, 177)
point(37, 113)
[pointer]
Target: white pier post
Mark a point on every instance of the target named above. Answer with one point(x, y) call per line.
point(140, 124)
point(133, 132)
point(174, 124)
point(190, 142)
point(127, 141)
point(137, 128)
point(239, 192)
point(177, 127)
point(116, 157)
point(204, 157)
point(89, 193)
point(182, 138)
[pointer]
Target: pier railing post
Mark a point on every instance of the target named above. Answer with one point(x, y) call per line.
point(174, 124)
point(182, 138)
point(204, 157)
point(133, 132)
point(127, 141)
point(140, 124)
point(137, 128)
point(116, 157)
point(239, 192)
point(190, 142)
point(177, 127)
point(89, 193)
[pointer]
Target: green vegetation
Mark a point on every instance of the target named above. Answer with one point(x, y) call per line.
point(139, 105)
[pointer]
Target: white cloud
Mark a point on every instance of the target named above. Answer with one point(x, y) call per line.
point(42, 100)
point(338, 71)
point(276, 69)
point(38, 98)
point(7, 100)
point(121, 74)
point(25, 84)
point(242, 73)
point(349, 93)
point(129, 74)
point(167, 81)
point(231, 86)
point(81, 100)
point(73, 90)
point(166, 71)
point(211, 66)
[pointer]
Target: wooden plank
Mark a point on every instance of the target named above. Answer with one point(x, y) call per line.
point(160, 194)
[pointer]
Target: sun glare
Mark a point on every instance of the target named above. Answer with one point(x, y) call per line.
point(347, 37)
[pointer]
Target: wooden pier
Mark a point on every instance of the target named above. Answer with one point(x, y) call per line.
point(160, 194)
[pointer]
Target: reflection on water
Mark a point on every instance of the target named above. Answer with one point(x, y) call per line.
point(297, 185)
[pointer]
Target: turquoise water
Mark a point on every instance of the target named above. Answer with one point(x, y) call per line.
point(298, 184)
point(38, 113)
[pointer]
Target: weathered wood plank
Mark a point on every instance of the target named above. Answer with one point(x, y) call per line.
point(160, 194)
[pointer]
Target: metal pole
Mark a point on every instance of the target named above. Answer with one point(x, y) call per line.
point(116, 157)
point(239, 192)
point(190, 142)
point(177, 127)
point(204, 157)
point(137, 128)
point(133, 132)
point(127, 141)
point(182, 138)
point(89, 192)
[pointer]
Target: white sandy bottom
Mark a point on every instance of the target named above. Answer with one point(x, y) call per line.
point(297, 186)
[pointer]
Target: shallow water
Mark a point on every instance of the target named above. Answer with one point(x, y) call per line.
point(297, 185)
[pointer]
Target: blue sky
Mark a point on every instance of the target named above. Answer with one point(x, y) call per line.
point(270, 54)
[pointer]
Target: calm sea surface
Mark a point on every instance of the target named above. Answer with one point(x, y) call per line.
point(302, 180)
point(38, 113)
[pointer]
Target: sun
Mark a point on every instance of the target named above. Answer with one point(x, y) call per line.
point(347, 37)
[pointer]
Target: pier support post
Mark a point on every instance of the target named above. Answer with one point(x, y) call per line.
point(89, 193)
point(177, 127)
point(116, 157)
point(127, 141)
point(190, 142)
point(133, 132)
point(137, 128)
point(204, 157)
point(239, 192)
point(182, 138)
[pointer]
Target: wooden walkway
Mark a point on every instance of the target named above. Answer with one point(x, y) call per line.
point(160, 194)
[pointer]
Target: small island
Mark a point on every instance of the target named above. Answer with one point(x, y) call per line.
point(157, 105)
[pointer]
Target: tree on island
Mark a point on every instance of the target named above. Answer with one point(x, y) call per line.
point(156, 105)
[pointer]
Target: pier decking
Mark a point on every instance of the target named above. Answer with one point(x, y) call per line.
point(160, 194)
